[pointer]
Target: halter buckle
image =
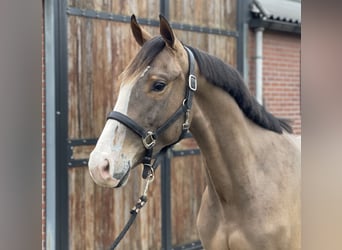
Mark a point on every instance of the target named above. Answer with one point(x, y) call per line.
point(192, 82)
point(149, 141)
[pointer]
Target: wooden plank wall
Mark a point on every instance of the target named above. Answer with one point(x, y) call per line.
point(219, 14)
point(98, 51)
point(141, 8)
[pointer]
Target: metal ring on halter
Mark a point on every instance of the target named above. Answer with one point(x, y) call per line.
point(150, 177)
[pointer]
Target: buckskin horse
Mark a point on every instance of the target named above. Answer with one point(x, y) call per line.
point(252, 197)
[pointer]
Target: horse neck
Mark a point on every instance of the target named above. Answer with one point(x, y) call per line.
point(224, 136)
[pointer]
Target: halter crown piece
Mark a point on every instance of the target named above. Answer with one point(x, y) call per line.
point(149, 138)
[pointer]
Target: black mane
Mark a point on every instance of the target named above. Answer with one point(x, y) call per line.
point(220, 74)
point(224, 76)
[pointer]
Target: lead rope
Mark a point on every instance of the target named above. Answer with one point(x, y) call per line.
point(149, 171)
point(135, 210)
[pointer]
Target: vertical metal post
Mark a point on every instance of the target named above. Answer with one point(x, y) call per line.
point(165, 8)
point(166, 228)
point(258, 64)
point(56, 125)
point(166, 201)
point(50, 33)
point(62, 129)
point(242, 39)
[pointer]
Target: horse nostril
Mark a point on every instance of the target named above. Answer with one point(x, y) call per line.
point(104, 169)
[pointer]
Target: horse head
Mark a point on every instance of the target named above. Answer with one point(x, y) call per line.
point(150, 112)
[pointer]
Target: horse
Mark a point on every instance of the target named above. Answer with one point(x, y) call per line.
point(252, 161)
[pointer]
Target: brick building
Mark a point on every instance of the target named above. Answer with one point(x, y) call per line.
point(278, 24)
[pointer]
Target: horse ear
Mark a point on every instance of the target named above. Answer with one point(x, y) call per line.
point(166, 32)
point(140, 35)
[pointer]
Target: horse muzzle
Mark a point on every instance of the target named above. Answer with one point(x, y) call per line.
point(103, 172)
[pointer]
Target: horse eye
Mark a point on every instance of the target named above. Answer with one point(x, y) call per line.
point(158, 86)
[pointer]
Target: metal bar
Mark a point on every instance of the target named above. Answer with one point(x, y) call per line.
point(201, 29)
point(166, 229)
point(84, 162)
point(144, 21)
point(81, 142)
point(239, 42)
point(77, 163)
point(106, 16)
point(71, 162)
point(165, 173)
point(178, 153)
point(75, 143)
point(259, 65)
point(241, 21)
point(190, 246)
point(50, 111)
point(93, 141)
point(61, 90)
point(165, 8)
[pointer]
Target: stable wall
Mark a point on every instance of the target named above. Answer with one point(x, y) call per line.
point(281, 74)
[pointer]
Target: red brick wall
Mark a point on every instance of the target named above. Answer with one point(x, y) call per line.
point(281, 74)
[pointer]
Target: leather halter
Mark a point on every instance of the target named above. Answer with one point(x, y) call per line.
point(148, 137)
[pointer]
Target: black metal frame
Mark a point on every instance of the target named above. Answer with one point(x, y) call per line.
point(64, 158)
point(72, 162)
point(242, 19)
point(61, 77)
point(190, 246)
point(166, 228)
point(144, 21)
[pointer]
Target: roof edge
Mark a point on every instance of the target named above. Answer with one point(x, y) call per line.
point(260, 17)
point(263, 16)
point(271, 24)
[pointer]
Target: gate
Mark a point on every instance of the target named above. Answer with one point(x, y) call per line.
point(98, 45)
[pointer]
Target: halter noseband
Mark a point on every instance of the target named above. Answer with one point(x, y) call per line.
point(148, 137)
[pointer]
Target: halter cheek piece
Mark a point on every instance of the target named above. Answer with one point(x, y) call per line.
point(149, 138)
